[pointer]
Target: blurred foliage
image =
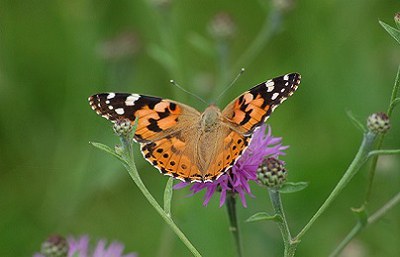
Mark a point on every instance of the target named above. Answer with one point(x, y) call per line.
point(54, 54)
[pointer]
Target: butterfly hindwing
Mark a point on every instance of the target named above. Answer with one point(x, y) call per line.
point(252, 108)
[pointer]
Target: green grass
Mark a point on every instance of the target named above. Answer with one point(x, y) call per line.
point(53, 181)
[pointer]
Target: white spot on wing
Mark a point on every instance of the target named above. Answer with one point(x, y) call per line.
point(286, 77)
point(119, 111)
point(274, 96)
point(107, 101)
point(111, 96)
point(270, 85)
point(110, 107)
point(130, 100)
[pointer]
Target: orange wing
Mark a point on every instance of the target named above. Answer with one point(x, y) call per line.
point(252, 108)
point(157, 117)
point(164, 130)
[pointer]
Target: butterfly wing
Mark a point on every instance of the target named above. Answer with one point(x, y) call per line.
point(157, 117)
point(165, 130)
point(252, 108)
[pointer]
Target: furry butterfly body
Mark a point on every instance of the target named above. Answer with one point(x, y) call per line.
point(192, 146)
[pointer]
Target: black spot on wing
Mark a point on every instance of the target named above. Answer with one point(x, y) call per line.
point(153, 126)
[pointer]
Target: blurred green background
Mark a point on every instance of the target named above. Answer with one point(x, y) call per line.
point(54, 54)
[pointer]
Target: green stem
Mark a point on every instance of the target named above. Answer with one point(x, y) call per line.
point(233, 222)
point(392, 104)
point(395, 91)
point(384, 152)
point(131, 167)
point(360, 226)
point(289, 244)
point(269, 28)
point(360, 158)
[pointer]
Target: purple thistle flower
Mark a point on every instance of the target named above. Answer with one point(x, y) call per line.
point(237, 178)
point(80, 248)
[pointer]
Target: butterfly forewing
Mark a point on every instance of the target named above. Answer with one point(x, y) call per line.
point(252, 108)
point(157, 117)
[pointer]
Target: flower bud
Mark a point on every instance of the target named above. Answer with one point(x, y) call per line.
point(55, 246)
point(271, 173)
point(122, 127)
point(378, 123)
point(222, 26)
point(123, 45)
point(397, 19)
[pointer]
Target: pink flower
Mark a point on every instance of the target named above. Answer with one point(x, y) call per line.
point(237, 178)
point(80, 248)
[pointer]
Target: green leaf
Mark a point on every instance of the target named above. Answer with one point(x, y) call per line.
point(108, 150)
point(291, 187)
point(395, 102)
point(162, 56)
point(395, 33)
point(202, 44)
point(361, 214)
point(356, 122)
point(168, 196)
point(264, 216)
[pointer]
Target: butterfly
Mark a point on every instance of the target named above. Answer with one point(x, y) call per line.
point(189, 145)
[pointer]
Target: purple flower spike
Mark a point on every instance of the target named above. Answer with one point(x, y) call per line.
point(80, 248)
point(237, 178)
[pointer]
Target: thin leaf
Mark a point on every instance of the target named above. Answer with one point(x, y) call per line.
point(384, 152)
point(395, 102)
point(108, 150)
point(291, 187)
point(356, 122)
point(162, 56)
point(395, 33)
point(202, 44)
point(168, 196)
point(260, 216)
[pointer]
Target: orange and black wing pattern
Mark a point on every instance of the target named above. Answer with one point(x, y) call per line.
point(252, 108)
point(156, 116)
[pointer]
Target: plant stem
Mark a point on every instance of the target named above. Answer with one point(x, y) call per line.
point(233, 222)
point(360, 226)
point(392, 104)
point(269, 28)
point(384, 152)
point(131, 167)
point(289, 244)
point(360, 158)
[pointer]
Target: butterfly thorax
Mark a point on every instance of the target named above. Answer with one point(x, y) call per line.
point(210, 118)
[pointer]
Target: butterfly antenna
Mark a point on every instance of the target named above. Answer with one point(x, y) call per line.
point(230, 85)
point(187, 92)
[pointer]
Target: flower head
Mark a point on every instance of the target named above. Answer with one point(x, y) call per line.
point(244, 170)
point(378, 123)
point(80, 248)
point(272, 173)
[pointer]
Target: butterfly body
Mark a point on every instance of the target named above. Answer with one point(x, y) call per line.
point(192, 146)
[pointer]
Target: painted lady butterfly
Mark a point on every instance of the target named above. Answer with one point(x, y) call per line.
point(192, 146)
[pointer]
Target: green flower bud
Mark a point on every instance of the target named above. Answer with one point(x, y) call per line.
point(122, 127)
point(378, 123)
point(271, 173)
point(55, 246)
